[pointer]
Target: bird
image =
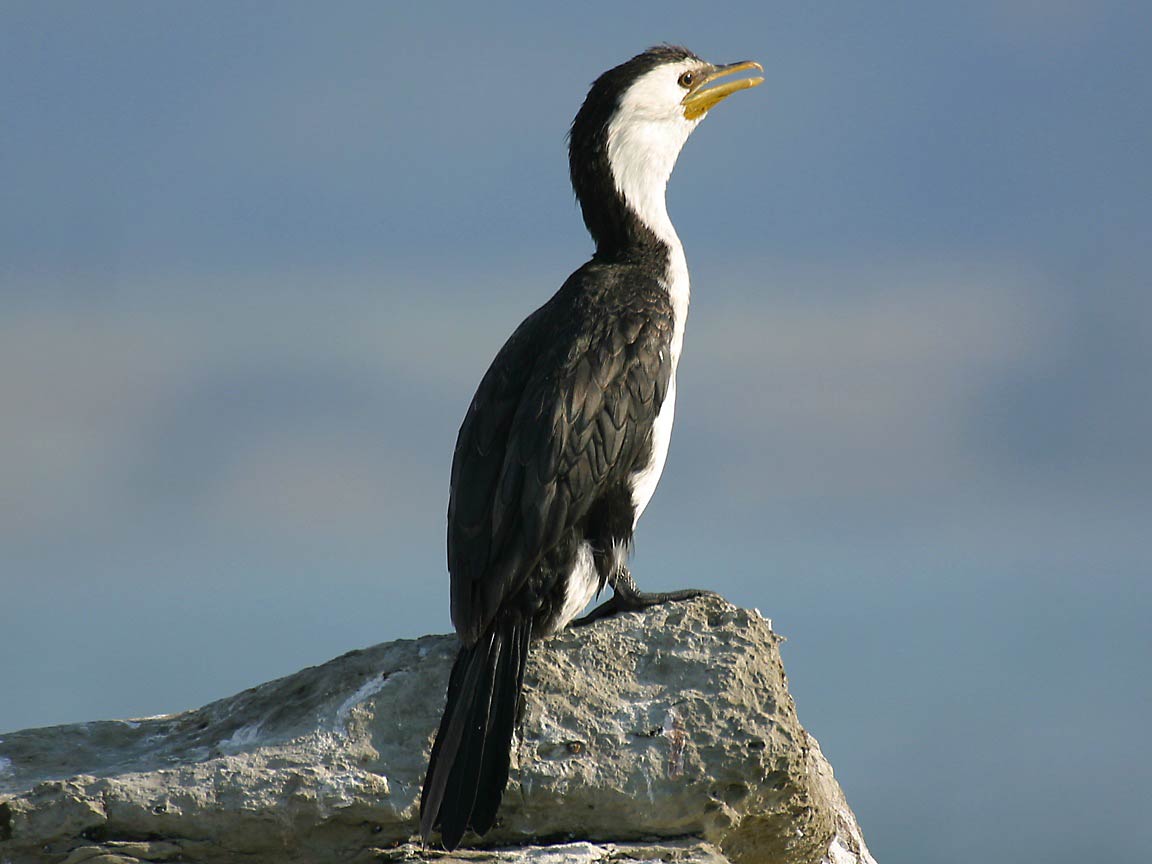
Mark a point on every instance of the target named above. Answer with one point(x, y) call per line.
point(566, 437)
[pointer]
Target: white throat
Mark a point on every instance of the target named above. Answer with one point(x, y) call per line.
point(645, 137)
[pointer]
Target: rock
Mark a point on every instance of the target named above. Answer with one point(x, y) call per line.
point(663, 736)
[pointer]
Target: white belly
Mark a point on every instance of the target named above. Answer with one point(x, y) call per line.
point(644, 481)
point(583, 580)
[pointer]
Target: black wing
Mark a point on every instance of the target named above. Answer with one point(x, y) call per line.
point(565, 411)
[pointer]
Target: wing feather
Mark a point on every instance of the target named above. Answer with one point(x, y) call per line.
point(565, 411)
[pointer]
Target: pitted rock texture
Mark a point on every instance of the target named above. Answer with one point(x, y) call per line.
point(669, 734)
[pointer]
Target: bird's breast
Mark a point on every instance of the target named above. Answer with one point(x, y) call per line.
point(644, 480)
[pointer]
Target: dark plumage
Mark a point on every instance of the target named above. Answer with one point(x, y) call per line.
point(564, 439)
point(560, 421)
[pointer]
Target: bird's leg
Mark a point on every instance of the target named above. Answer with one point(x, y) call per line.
point(627, 597)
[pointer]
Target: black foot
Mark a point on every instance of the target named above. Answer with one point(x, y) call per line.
point(626, 597)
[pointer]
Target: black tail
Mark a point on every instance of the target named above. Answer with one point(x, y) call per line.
point(468, 769)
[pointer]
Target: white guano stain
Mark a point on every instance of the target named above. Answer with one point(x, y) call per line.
point(369, 688)
point(242, 737)
point(840, 852)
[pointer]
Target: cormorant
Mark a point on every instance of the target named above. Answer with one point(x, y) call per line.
point(565, 439)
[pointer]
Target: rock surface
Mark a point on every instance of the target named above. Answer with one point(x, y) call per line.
point(663, 736)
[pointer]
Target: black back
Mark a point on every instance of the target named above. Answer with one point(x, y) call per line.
point(563, 416)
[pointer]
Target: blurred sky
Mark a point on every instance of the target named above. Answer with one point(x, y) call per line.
point(255, 257)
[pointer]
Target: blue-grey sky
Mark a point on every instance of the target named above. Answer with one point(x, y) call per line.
point(255, 257)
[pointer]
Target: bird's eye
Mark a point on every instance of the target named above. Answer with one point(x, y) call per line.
point(686, 79)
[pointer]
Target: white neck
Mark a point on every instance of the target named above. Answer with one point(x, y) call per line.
point(642, 152)
point(643, 145)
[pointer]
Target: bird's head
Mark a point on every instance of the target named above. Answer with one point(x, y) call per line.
point(626, 137)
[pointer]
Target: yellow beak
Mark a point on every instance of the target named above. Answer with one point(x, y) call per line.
point(702, 97)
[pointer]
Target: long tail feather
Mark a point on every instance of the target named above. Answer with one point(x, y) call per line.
point(494, 771)
point(468, 768)
point(461, 691)
point(460, 793)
